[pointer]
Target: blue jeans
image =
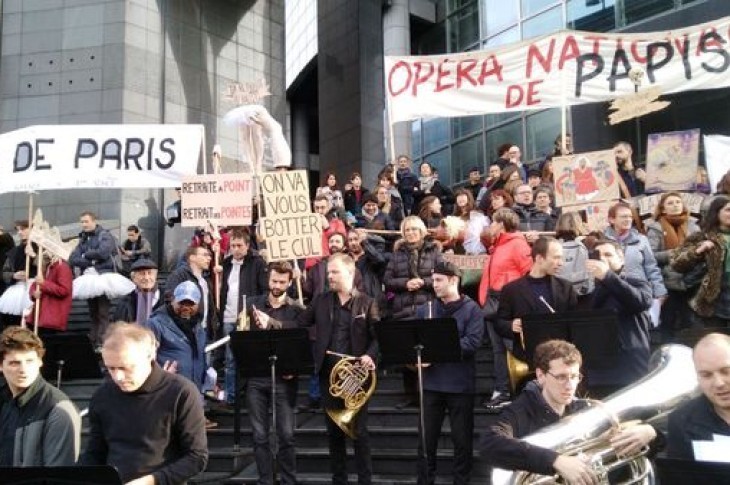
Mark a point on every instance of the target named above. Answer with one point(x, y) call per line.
point(258, 400)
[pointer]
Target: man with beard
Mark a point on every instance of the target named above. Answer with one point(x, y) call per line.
point(195, 269)
point(274, 308)
point(180, 337)
point(632, 178)
point(138, 305)
point(450, 387)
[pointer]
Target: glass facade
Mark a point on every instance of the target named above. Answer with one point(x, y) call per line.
point(454, 145)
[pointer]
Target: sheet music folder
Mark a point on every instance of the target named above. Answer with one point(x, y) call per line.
point(593, 332)
point(398, 339)
point(672, 471)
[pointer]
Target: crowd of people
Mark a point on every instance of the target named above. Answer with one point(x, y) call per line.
point(385, 258)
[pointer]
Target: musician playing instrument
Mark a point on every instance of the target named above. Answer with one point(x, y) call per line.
point(282, 308)
point(343, 319)
point(451, 386)
point(708, 415)
point(543, 402)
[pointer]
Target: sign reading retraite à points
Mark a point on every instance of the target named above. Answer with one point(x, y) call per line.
point(222, 199)
point(289, 228)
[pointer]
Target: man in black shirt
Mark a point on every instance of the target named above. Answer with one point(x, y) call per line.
point(146, 422)
point(538, 292)
point(273, 311)
point(705, 417)
point(343, 319)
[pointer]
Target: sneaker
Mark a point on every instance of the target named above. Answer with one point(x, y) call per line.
point(497, 402)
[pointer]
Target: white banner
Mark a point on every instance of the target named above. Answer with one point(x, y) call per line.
point(717, 157)
point(565, 68)
point(98, 156)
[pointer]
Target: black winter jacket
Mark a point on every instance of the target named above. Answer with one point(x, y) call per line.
point(502, 446)
point(253, 279)
point(397, 274)
point(95, 249)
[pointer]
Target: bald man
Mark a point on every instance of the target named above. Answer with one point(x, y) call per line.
point(708, 414)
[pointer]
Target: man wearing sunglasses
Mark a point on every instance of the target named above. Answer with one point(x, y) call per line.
point(543, 402)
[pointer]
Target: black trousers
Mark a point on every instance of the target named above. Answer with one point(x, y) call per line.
point(461, 416)
point(338, 444)
point(99, 314)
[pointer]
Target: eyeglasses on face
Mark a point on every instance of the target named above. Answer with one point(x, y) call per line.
point(564, 378)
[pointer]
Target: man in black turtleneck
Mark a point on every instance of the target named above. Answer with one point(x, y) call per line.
point(450, 387)
point(538, 292)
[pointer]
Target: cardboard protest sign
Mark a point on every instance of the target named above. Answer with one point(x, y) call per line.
point(636, 105)
point(585, 177)
point(466, 262)
point(646, 204)
point(596, 213)
point(98, 156)
point(290, 230)
point(671, 161)
point(222, 200)
point(563, 68)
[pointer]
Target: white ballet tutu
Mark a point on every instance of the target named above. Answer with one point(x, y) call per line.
point(16, 299)
point(91, 284)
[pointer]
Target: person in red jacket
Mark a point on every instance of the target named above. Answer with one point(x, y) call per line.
point(53, 288)
point(509, 259)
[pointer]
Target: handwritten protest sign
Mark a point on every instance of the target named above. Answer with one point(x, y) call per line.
point(466, 262)
point(220, 199)
point(636, 105)
point(563, 68)
point(646, 204)
point(98, 156)
point(585, 177)
point(290, 230)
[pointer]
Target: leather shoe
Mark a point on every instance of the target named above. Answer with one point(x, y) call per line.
point(497, 403)
point(408, 403)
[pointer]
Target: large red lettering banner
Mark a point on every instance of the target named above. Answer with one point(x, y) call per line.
point(565, 68)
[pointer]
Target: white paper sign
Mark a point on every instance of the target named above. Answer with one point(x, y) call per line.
point(98, 156)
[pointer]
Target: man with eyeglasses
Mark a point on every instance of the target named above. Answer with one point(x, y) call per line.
point(532, 220)
point(543, 402)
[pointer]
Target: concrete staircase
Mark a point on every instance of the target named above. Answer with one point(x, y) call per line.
point(394, 433)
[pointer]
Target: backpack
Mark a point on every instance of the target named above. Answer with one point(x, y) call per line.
point(574, 270)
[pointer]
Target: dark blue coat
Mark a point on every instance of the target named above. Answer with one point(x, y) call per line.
point(174, 345)
point(456, 377)
point(95, 249)
point(630, 298)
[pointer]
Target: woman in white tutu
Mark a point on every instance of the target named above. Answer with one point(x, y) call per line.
point(15, 300)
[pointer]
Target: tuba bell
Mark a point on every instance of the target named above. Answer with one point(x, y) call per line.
point(671, 382)
point(354, 384)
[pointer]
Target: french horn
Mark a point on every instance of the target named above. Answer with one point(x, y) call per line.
point(352, 382)
point(586, 433)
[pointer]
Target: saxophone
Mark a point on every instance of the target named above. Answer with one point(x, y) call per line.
point(671, 382)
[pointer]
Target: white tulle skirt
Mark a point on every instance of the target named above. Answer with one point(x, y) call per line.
point(91, 284)
point(16, 299)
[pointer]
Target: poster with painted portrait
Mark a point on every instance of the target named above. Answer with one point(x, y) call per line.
point(585, 177)
point(671, 161)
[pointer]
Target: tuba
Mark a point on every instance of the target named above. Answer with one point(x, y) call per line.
point(671, 382)
point(354, 384)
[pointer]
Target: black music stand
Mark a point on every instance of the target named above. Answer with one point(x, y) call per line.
point(71, 355)
point(409, 342)
point(60, 475)
point(593, 332)
point(671, 471)
point(269, 353)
